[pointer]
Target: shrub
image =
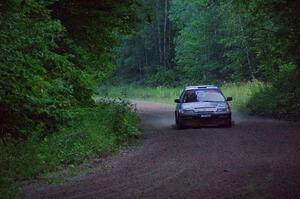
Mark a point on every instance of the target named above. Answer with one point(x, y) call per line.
point(281, 100)
point(92, 130)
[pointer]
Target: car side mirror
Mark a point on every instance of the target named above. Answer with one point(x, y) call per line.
point(228, 99)
point(177, 101)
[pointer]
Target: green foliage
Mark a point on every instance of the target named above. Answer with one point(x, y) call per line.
point(263, 101)
point(217, 41)
point(241, 93)
point(281, 99)
point(160, 94)
point(167, 78)
point(150, 49)
point(92, 130)
point(51, 55)
point(32, 94)
point(252, 97)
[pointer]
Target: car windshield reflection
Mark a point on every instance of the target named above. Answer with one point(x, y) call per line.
point(203, 96)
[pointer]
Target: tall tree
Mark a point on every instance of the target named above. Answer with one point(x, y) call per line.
point(51, 52)
point(154, 38)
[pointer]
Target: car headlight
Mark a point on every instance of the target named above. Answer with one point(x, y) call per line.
point(222, 110)
point(181, 111)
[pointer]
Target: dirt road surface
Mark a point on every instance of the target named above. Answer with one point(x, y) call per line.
point(257, 158)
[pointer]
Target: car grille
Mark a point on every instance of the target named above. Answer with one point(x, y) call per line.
point(206, 109)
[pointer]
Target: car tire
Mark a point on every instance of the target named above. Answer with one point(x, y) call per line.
point(179, 124)
point(228, 124)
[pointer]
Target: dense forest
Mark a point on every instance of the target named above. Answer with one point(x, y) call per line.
point(51, 54)
point(217, 41)
point(54, 53)
point(211, 41)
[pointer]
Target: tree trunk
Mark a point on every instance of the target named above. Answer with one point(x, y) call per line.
point(165, 33)
point(146, 54)
point(244, 44)
point(158, 33)
point(140, 70)
point(169, 45)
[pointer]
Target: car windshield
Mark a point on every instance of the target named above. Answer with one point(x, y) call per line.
point(202, 95)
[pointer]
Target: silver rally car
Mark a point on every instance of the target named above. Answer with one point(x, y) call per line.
point(203, 105)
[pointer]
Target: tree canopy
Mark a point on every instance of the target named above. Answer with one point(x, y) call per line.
point(52, 52)
point(214, 41)
point(217, 41)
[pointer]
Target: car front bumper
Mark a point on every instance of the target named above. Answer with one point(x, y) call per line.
point(206, 119)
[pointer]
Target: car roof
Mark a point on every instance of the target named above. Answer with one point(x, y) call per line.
point(201, 87)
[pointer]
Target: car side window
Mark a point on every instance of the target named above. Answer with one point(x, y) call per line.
point(189, 96)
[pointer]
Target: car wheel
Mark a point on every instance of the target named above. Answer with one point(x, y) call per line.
point(228, 124)
point(179, 124)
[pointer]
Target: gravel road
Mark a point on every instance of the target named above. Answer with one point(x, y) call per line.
point(257, 158)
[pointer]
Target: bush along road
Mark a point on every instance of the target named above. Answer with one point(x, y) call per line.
point(257, 158)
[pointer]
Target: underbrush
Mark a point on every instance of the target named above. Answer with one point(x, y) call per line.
point(93, 130)
point(273, 102)
point(276, 101)
point(241, 93)
point(159, 94)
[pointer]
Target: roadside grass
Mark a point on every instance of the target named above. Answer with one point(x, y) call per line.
point(92, 131)
point(241, 93)
point(159, 94)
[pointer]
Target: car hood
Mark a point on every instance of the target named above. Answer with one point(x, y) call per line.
point(200, 105)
